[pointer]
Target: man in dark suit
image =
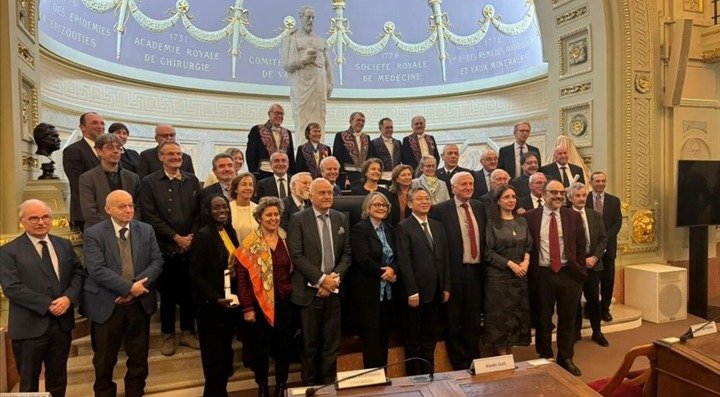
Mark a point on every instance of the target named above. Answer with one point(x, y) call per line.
point(224, 170)
point(78, 158)
point(150, 160)
point(561, 170)
point(556, 274)
point(609, 206)
point(425, 274)
point(170, 204)
point(489, 162)
point(319, 244)
point(123, 262)
point(418, 144)
point(529, 167)
point(98, 182)
point(297, 199)
point(535, 199)
point(386, 148)
point(277, 183)
point(330, 170)
point(266, 139)
point(129, 159)
point(511, 156)
point(596, 240)
point(464, 222)
point(351, 147)
point(498, 178)
point(450, 156)
point(42, 278)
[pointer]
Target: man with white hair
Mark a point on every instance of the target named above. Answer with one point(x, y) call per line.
point(418, 144)
point(266, 139)
point(489, 162)
point(498, 178)
point(41, 277)
point(150, 160)
point(298, 198)
point(330, 170)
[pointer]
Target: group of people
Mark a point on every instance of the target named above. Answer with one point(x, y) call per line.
point(265, 254)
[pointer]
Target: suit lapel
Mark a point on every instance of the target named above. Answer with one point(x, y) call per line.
point(372, 231)
point(48, 272)
point(311, 222)
point(419, 229)
point(113, 244)
point(135, 242)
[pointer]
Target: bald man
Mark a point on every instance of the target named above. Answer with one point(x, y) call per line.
point(149, 160)
point(42, 278)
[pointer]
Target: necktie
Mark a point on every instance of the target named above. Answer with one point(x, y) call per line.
point(539, 203)
point(328, 261)
point(226, 193)
point(487, 180)
point(46, 259)
point(518, 163)
point(598, 203)
point(126, 255)
point(282, 193)
point(123, 230)
point(563, 176)
point(554, 238)
point(428, 236)
point(471, 231)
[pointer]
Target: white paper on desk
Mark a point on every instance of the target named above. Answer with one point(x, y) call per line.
point(538, 362)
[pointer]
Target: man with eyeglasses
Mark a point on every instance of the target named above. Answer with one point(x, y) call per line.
point(80, 157)
point(512, 156)
point(266, 139)
point(556, 274)
point(489, 162)
point(41, 277)
point(149, 158)
point(425, 273)
point(98, 182)
point(119, 293)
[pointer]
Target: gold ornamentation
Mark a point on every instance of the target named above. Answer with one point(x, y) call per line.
point(577, 52)
point(26, 54)
point(578, 125)
point(29, 113)
point(643, 227)
point(642, 82)
point(30, 162)
point(26, 17)
point(711, 56)
point(693, 5)
point(576, 89)
point(571, 15)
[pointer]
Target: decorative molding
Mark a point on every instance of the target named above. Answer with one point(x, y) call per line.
point(642, 82)
point(28, 107)
point(711, 56)
point(558, 3)
point(575, 52)
point(25, 16)
point(30, 162)
point(693, 5)
point(575, 89)
point(576, 122)
point(572, 15)
point(26, 54)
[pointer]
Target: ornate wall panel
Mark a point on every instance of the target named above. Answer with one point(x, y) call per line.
point(576, 122)
point(28, 106)
point(575, 52)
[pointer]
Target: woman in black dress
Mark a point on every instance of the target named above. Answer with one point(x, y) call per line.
point(310, 154)
point(401, 180)
point(372, 173)
point(212, 254)
point(507, 256)
point(265, 286)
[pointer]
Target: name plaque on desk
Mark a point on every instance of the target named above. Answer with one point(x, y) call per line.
point(376, 377)
point(492, 364)
point(703, 329)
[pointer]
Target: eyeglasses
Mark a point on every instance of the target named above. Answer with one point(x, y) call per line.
point(380, 205)
point(124, 207)
point(112, 147)
point(35, 219)
point(278, 113)
point(555, 192)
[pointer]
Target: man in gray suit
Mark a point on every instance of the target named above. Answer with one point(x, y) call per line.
point(123, 263)
point(41, 276)
point(98, 182)
point(318, 240)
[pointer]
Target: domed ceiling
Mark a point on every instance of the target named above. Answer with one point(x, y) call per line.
point(378, 48)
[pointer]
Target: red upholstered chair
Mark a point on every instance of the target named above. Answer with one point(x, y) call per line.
point(626, 383)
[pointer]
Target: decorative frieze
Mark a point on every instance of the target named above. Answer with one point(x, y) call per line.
point(574, 89)
point(572, 15)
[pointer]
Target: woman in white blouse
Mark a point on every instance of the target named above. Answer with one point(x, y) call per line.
point(242, 190)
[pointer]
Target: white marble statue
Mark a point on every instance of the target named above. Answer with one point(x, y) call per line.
point(304, 57)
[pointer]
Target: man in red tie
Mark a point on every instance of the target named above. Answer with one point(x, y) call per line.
point(557, 273)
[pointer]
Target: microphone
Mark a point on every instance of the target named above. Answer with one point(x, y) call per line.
point(689, 333)
point(310, 391)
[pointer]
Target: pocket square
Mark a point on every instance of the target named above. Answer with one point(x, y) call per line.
point(341, 231)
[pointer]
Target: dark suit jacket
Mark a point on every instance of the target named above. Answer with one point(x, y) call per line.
point(423, 268)
point(261, 145)
point(78, 158)
point(480, 187)
point(411, 150)
point(305, 158)
point(506, 156)
point(574, 241)
point(130, 160)
point(30, 286)
point(94, 188)
point(208, 261)
point(367, 260)
point(150, 162)
point(379, 150)
point(394, 217)
point(104, 268)
point(598, 238)
point(612, 218)
point(289, 208)
point(344, 143)
point(306, 251)
point(445, 176)
point(526, 202)
point(522, 185)
point(268, 187)
point(551, 171)
point(446, 214)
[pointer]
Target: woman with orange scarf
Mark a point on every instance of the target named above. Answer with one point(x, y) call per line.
point(264, 287)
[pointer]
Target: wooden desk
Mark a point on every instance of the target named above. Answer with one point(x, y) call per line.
point(689, 369)
point(525, 380)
